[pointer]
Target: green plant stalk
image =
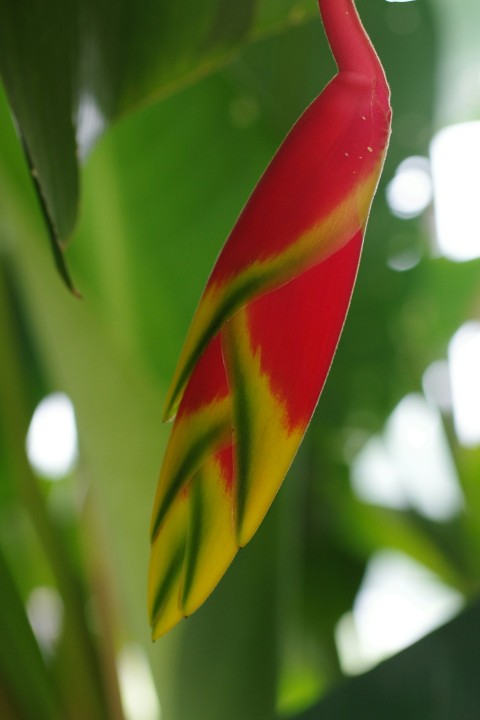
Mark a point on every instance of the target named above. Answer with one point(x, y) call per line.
point(20, 649)
point(13, 405)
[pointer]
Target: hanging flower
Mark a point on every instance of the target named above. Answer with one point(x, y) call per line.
point(265, 331)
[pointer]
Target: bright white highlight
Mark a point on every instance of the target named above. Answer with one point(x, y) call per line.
point(436, 385)
point(417, 443)
point(464, 362)
point(410, 190)
point(398, 603)
point(137, 690)
point(90, 123)
point(410, 466)
point(45, 613)
point(455, 158)
point(52, 446)
point(375, 479)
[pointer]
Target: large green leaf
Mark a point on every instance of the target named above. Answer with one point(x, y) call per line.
point(435, 679)
point(70, 68)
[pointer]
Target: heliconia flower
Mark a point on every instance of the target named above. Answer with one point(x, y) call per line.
point(265, 331)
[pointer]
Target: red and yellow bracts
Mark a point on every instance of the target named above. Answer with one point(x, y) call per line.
point(265, 331)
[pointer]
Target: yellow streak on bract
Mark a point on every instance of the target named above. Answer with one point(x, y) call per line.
point(216, 546)
point(170, 539)
point(186, 432)
point(325, 238)
point(271, 443)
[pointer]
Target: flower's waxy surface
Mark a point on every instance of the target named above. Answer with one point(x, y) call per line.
point(264, 334)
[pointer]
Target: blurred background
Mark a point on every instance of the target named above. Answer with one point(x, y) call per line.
point(374, 539)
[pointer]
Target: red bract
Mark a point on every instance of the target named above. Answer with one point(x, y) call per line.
point(266, 328)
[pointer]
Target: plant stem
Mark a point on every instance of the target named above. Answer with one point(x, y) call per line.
point(13, 406)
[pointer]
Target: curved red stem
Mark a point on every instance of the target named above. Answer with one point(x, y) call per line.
point(348, 40)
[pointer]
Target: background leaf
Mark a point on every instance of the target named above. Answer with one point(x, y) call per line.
point(20, 650)
point(434, 679)
point(70, 68)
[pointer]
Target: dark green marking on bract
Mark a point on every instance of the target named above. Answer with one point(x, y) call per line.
point(169, 579)
point(192, 460)
point(242, 414)
point(251, 288)
point(194, 536)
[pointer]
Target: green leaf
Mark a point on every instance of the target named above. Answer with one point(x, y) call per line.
point(71, 66)
point(435, 679)
point(20, 658)
point(36, 64)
